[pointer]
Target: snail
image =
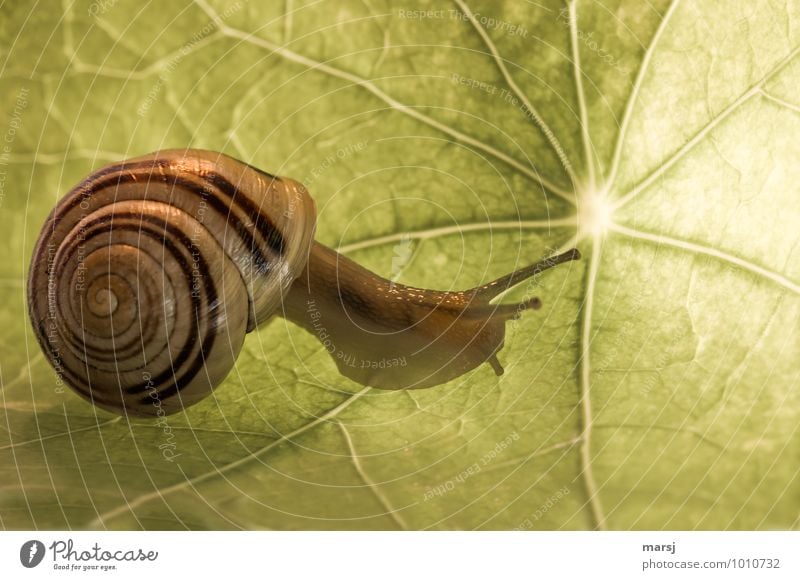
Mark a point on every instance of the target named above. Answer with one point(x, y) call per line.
point(149, 273)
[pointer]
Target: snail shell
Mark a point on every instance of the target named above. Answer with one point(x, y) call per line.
point(148, 274)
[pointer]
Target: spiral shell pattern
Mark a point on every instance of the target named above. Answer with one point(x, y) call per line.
point(148, 274)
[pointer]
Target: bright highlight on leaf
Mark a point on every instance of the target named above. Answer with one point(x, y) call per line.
point(595, 213)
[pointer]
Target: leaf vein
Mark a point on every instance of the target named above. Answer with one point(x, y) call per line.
point(581, 93)
point(394, 104)
point(637, 85)
point(537, 118)
point(587, 472)
point(457, 229)
point(379, 495)
point(192, 482)
point(755, 89)
point(696, 248)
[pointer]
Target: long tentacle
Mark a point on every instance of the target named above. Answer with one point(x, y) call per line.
point(492, 289)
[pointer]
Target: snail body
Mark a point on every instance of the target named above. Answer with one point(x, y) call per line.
point(150, 272)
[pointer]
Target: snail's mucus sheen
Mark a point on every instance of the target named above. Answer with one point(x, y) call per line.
point(149, 273)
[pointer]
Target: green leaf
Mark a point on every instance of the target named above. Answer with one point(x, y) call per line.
point(656, 388)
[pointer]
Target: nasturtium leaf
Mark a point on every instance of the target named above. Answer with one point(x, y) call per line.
point(445, 144)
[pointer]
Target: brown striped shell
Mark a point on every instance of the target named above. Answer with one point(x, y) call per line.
point(148, 274)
